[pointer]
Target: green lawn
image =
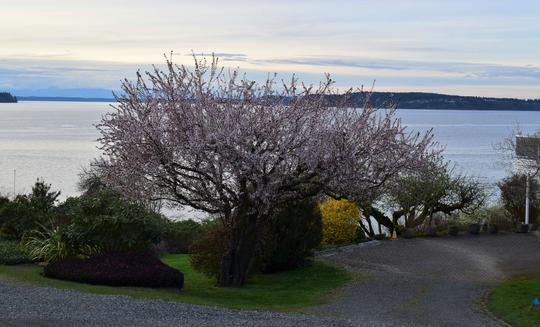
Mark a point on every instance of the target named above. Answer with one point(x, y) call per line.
point(282, 291)
point(512, 301)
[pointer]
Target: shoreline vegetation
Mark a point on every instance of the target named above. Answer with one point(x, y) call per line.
point(6, 97)
point(403, 100)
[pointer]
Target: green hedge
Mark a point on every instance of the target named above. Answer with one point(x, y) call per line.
point(12, 253)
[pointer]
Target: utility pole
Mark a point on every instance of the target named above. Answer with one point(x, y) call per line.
point(528, 186)
point(14, 182)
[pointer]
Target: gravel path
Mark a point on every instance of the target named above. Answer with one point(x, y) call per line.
point(25, 306)
point(432, 281)
point(418, 282)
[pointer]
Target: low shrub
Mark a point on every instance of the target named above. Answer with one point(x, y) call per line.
point(442, 233)
point(111, 223)
point(13, 253)
point(341, 219)
point(179, 235)
point(493, 229)
point(206, 252)
point(290, 236)
point(117, 269)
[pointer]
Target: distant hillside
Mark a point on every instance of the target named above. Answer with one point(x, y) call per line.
point(72, 99)
point(405, 100)
point(419, 100)
point(6, 97)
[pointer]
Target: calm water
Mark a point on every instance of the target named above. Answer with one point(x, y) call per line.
point(53, 140)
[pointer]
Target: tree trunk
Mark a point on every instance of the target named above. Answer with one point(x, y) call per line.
point(242, 244)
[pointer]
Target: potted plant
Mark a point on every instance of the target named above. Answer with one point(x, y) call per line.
point(431, 231)
point(474, 229)
point(408, 233)
point(523, 228)
point(453, 230)
point(379, 237)
point(485, 227)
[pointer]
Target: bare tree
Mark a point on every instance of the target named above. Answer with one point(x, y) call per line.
point(414, 198)
point(238, 149)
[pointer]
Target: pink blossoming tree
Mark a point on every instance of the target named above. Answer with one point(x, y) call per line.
point(237, 149)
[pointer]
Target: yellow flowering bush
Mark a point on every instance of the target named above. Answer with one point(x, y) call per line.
point(340, 221)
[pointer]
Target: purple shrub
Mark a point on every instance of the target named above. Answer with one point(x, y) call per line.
point(117, 269)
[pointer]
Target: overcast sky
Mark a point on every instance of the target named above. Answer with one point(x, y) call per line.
point(489, 48)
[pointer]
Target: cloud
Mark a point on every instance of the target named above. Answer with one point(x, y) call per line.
point(468, 70)
point(223, 56)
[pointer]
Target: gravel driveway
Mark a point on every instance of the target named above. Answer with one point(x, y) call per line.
point(432, 281)
point(26, 306)
point(418, 282)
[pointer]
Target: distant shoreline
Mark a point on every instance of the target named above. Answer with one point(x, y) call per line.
point(66, 99)
point(405, 100)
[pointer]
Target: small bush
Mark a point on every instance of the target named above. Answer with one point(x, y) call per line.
point(206, 252)
point(180, 234)
point(18, 216)
point(512, 195)
point(493, 229)
point(111, 223)
point(290, 236)
point(497, 215)
point(26, 212)
point(340, 221)
point(13, 253)
point(117, 269)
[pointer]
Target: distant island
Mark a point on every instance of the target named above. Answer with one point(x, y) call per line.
point(6, 97)
point(404, 100)
point(420, 100)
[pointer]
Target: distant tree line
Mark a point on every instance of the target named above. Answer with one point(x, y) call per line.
point(420, 100)
point(6, 97)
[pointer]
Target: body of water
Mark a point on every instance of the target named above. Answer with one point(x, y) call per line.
point(54, 140)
